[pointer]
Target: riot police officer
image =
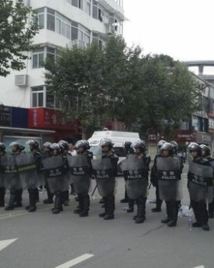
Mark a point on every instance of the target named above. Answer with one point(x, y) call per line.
point(29, 165)
point(207, 155)
point(169, 176)
point(12, 178)
point(128, 150)
point(2, 186)
point(200, 177)
point(37, 155)
point(136, 169)
point(81, 171)
point(64, 150)
point(105, 172)
point(56, 170)
point(154, 178)
point(46, 152)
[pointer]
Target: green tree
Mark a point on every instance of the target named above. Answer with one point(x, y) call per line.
point(147, 93)
point(76, 79)
point(169, 94)
point(16, 32)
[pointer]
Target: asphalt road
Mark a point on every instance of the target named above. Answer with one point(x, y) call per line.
point(44, 240)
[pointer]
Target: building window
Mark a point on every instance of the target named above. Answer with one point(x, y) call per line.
point(41, 55)
point(74, 31)
point(38, 58)
point(81, 4)
point(69, 29)
point(51, 54)
point(100, 14)
point(98, 41)
point(41, 98)
point(50, 19)
point(51, 101)
point(40, 17)
point(88, 7)
point(83, 36)
point(77, 3)
point(37, 96)
point(63, 26)
point(95, 10)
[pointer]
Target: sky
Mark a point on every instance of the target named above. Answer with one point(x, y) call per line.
point(183, 29)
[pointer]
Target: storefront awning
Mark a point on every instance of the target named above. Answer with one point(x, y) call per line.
point(13, 130)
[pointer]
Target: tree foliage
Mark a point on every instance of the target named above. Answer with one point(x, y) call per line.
point(16, 32)
point(146, 92)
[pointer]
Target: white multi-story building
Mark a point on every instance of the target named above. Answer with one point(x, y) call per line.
point(62, 23)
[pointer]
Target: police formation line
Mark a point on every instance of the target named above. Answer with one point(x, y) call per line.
point(57, 168)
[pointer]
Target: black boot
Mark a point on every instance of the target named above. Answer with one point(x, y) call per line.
point(32, 200)
point(37, 195)
point(126, 199)
point(86, 205)
point(110, 207)
point(2, 196)
point(168, 213)
point(131, 206)
point(141, 208)
point(18, 198)
point(158, 201)
point(211, 210)
point(195, 207)
point(79, 208)
point(173, 213)
point(65, 198)
point(102, 215)
point(203, 214)
point(50, 195)
point(72, 189)
point(11, 202)
point(57, 203)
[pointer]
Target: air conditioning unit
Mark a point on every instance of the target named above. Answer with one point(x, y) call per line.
point(21, 80)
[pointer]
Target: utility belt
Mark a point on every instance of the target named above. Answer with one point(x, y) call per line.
point(169, 175)
point(29, 167)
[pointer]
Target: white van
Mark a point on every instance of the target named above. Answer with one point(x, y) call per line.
point(117, 137)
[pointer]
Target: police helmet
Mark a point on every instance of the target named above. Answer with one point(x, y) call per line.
point(167, 146)
point(33, 143)
point(160, 143)
point(18, 146)
point(205, 149)
point(47, 144)
point(55, 146)
point(127, 144)
point(175, 146)
point(105, 142)
point(194, 147)
point(82, 144)
point(63, 144)
point(139, 145)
